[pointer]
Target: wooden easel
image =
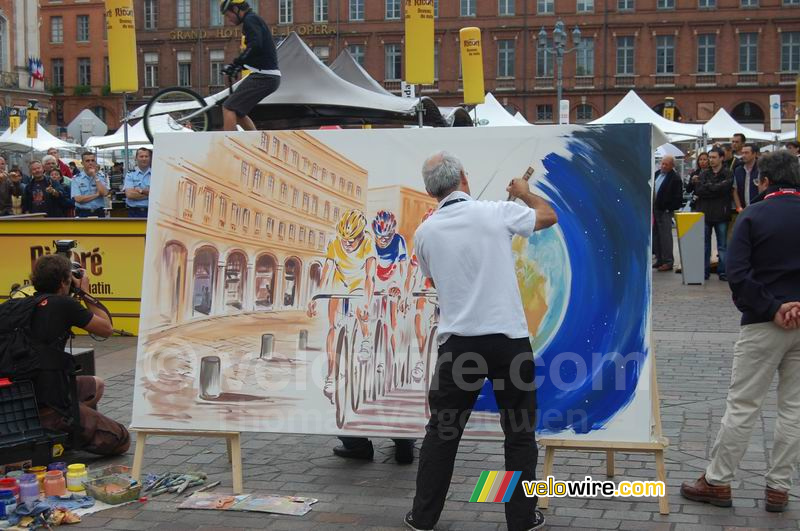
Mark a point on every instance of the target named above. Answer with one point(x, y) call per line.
point(231, 437)
point(655, 447)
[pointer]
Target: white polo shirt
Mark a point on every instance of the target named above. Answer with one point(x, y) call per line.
point(465, 247)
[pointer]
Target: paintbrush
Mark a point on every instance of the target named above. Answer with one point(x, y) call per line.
point(203, 489)
point(527, 177)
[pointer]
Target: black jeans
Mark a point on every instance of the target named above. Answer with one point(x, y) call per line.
point(86, 213)
point(463, 364)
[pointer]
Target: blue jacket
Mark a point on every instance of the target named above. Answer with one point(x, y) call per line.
point(739, 175)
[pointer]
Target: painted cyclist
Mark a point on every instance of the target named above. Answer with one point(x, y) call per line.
point(392, 258)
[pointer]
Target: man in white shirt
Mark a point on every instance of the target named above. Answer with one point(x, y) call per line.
point(465, 248)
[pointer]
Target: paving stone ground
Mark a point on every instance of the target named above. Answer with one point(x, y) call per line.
point(694, 329)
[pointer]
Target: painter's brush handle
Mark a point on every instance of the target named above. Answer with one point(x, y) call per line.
point(527, 177)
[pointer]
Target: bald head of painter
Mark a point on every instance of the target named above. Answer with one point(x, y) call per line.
point(443, 174)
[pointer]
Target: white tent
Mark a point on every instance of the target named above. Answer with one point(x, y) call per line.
point(722, 125)
point(787, 136)
point(492, 114)
point(668, 149)
point(347, 68)
point(19, 141)
point(136, 135)
point(632, 109)
point(521, 118)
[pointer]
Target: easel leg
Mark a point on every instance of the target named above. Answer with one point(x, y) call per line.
point(610, 467)
point(547, 470)
point(138, 454)
point(234, 443)
point(228, 444)
point(661, 474)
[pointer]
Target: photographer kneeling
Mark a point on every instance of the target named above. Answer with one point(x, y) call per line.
point(50, 328)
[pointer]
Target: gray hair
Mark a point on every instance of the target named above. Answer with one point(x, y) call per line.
point(442, 174)
point(781, 167)
point(48, 158)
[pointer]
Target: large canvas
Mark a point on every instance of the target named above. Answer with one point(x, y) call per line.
point(252, 298)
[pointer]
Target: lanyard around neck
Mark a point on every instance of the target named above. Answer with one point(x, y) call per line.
point(451, 202)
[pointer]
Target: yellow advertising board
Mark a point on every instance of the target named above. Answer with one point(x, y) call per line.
point(122, 57)
point(472, 65)
point(110, 250)
point(13, 121)
point(419, 42)
point(33, 122)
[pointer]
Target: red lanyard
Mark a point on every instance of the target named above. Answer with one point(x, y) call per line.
point(787, 191)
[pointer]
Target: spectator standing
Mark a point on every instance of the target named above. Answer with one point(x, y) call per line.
point(713, 190)
point(764, 275)
point(50, 163)
point(667, 198)
point(43, 195)
point(56, 177)
point(738, 140)
point(5, 189)
point(137, 185)
point(745, 177)
point(89, 188)
point(17, 189)
point(66, 171)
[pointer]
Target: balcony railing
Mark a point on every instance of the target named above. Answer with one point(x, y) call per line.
point(624, 80)
point(747, 79)
point(705, 80)
point(545, 82)
point(788, 78)
point(505, 83)
point(664, 80)
point(433, 87)
point(392, 85)
point(584, 81)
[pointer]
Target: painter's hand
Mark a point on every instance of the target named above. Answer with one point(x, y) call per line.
point(518, 188)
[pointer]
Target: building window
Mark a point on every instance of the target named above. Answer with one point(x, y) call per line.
point(584, 58)
point(184, 69)
point(341, 184)
point(245, 218)
point(270, 226)
point(392, 9)
point(357, 51)
point(584, 113)
point(505, 58)
point(791, 2)
point(150, 69)
point(336, 214)
point(435, 8)
point(258, 178)
point(216, 18)
point(749, 3)
point(585, 6)
point(56, 29)
point(271, 185)
point(58, 72)
point(306, 202)
point(257, 227)
point(291, 232)
point(315, 205)
point(468, 8)
point(320, 10)
point(544, 61)
point(706, 53)
point(184, 10)
point(276, 146)
point(545, 7)
point(625, 56)
point(281, 230)
point(245, 174)
point(285, 11)
point(284, 191)
point(505, 7)
point(624, 5)
point(748, 53)
point(188, 197)
point(665, 4)
point(223, 211)
point(85, 71)
point(82, 28)
point(208, 202)
point(323, 53)
point(394, 62)
point(665, 54)
point(706, 4)
point(295, 197)
point(151, 14)
point(236, 215)
point(311, 238)
point(217, 58)
point(790, 51)
point(327, 211)
point(358, 191)
point(356, 9)
point(544, 112)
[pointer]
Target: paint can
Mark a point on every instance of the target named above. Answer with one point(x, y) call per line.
point(267, 344)
point(210, 367)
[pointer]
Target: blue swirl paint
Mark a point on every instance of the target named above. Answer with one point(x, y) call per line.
point(602, 197)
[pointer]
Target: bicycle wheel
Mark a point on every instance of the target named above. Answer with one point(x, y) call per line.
point(179, 108)
point(340, 379)
point(376, 387)
point(357, 371)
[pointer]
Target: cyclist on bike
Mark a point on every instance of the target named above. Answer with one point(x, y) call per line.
point(260, 57)
point(392, 257)
point(349, 267)
point(415, 281)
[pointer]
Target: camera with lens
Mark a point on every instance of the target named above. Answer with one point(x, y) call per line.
point(64, 248)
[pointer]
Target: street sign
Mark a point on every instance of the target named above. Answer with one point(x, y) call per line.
point(775, 112)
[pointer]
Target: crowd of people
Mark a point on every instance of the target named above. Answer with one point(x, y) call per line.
point(60, 190)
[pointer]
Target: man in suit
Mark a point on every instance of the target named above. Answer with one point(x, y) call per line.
point(667, 198)
point(745, 177)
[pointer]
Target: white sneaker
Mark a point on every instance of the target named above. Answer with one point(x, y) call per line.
point(365, 353)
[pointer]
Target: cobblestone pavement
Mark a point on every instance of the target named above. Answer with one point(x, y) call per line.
point(694, 331)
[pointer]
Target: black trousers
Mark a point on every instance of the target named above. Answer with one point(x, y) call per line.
point(463, 364)
point(662, 237)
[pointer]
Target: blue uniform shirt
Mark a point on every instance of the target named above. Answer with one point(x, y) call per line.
point(82, 184)
point(137, 178)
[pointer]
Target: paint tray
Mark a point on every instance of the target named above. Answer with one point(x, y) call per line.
point(114, 489)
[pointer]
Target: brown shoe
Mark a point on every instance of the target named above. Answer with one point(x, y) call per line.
point(701, 491)
point(776, 500)
point(665, 267)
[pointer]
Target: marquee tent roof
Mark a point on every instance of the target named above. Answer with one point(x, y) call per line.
point(19, 141)
point(347, 68)
point(492, 114)
point(632, 109)
point(722, 125)
point(521, 118)
point(311, 94)
point(136, 135)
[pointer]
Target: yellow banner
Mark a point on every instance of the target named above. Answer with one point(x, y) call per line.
point(419, 42)
point(122, 57)
point(472, 65)
point(33, 121)
point(110, 250)
point(13, 122)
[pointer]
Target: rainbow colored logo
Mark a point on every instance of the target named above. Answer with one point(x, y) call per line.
point(494, 486)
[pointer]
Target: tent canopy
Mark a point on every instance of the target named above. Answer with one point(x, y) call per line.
point(311, 94)
point(632, 109)
point(521, 118)
point(491, 113)
point(722, 125)
point(347, 68)
point(19, 141)
point(136, 135)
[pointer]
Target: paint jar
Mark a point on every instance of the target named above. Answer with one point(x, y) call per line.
point(58, 465)
point(28, 489)
point(210, 378)
point(16, 474)
point(76, 475)
point(10, 484)
point(8, 504)
point(54, 483)
point(39, 472)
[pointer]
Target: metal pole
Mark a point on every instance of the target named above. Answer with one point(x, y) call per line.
point(125, 131)
point(420, 108)
point(560, 81)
